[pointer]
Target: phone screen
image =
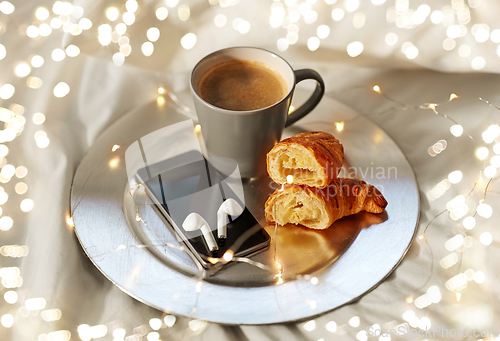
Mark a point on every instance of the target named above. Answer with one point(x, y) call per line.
point(198, 187)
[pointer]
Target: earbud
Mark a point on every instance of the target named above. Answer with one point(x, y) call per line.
point(228, 207)
point(194, 222)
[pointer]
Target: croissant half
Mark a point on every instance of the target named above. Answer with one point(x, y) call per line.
point(312, 158)
point(319, 208)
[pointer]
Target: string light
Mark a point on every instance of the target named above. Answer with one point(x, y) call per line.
point(228, 256)
point(66, 9)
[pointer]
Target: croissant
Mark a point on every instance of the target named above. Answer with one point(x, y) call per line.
point(319, 208)
point(312, 158)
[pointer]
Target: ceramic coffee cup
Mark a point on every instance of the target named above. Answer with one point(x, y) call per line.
point(247, 136)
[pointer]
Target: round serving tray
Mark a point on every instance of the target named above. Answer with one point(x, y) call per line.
point(130, 255)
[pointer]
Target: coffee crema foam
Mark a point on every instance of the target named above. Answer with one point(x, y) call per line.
point(241, 85)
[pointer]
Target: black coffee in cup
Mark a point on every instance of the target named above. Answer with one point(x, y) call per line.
point(241, 85)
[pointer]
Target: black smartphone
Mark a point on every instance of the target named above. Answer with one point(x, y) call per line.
point(189, 183)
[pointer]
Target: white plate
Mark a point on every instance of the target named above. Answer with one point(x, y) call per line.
point(167, 279)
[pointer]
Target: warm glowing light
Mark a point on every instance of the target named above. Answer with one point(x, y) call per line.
point(289, 179)
point(490, 171)
point(7, 91)
point(22, 69)
point(155, 323)
point(455, 177)
point(61, 90)
point(32, 31)
point(197, 128)
point(479, 277)
point(85, 23)
point(354, 321)
point(160, 100)
point(411, 52)
point(6, 7)
point(51, 315)
point(458, 296)
point(4, 150)
point(469, 223)
point(228, 256)
point(188, 41)
point(213, 260)
point(104, 39)
point(339, 125)
point(449, 260)
point(58, 55)
point(8, 171)
point(482, 153)
point(126, 50)
point(98, 331)
point(119, 333)
point(331, 326)
point(421, 237)
point(408, 315)
point(351, 5)
point(323, 31)
point(114, 162)
point(3, 196)
point(153, 34)
point(197, 325)
point(486, 238)
point(72, 50)
point(33, 304)
point(112, 13)
point(10, 297)
point(153, 336)
point(454, 242)
point(313, 43)
point(478, 63)
point(147, 48)
point(449, 44)
point(453, 96)
point(456, 130)
point(7, 320)
point(169, 320)
point(310, 325)
point(496, 148)
point(131, 6)
point(314, 281)
point(34, 82)
point(484, 210)
point(362, 335)
point(128, 18)
point(21, 188)
point(27, 205)
point(183, 12)
point(115, 148)
point(359, 20)
point(161, 90)
point(118, 59)
point(220, 20)
point(21, 172)
point(355, 48)
point(161, 13)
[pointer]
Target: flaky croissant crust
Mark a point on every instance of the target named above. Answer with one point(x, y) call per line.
point(319, 208)
point(312, 158)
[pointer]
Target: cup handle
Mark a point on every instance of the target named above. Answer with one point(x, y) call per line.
point(311, 103)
